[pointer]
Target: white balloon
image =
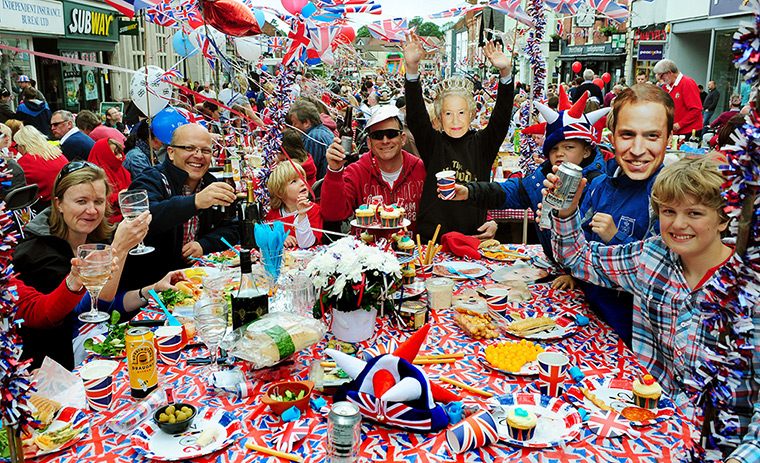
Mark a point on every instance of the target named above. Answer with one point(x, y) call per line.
point(248, 48)
point(217, 37)
point(153, 101)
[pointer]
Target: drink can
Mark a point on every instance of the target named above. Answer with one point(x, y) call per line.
point(343, 433)
point(244, 389)
point(569, 178)
point(546, 219)
point(141, 358)
point(347, 144)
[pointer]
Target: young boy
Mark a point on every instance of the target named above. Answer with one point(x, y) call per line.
point(668, 276)
point(289, 203)
point(569, 137)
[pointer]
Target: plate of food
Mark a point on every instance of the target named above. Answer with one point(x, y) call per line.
point(110, 345)
point(502, 253)
point(229, 257)
point(536, 421)
point(514, 358)
point(187, 292)
point(538, 326)
point(463, 270)
point(525, 273)
point(608, 393)
point(65, 427)
point(212, 429)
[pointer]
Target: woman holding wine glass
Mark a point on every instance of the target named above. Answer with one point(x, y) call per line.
point(78, 215)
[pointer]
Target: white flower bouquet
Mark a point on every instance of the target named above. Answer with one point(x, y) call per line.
point(350, 275)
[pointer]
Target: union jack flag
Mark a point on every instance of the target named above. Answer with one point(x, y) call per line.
point(451, 12)
point(512, 9)
point(162, 15)
point(390, 30)
point(130, 7)
point(192, 118)
point(560, 29)
point(321, 37)
point(564, 6)
point(580, 130)
point(276, 42)
point(609, 8)
point(370, 8)
point(390, 413)
point(608, 424)
point(298, 44)
point(293, 432)
point(188, 13)
point(173, 72)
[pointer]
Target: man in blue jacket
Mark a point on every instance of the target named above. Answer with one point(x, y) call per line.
point(75, 145)
point(182, 195)
point(34, 112)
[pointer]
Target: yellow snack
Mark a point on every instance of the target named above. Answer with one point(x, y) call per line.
point(512, 356)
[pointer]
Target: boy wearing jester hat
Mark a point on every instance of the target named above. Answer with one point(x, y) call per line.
point(570, 136)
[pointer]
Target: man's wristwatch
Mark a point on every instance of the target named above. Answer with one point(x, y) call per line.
point(142, 297)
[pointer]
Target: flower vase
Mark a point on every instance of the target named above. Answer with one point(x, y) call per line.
point(355, 326)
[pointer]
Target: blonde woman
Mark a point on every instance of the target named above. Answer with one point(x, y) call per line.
point(40, 160)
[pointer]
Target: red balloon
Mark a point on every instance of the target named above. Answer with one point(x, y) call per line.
point(230, 17)
point(577, 67)
point(346, 35)
point(598, 82)
point(606, 77)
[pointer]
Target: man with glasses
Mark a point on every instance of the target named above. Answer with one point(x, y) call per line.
point(182, 195)
point(113, 119)
point(75, 145)
point(685, 94)
point(385, 170)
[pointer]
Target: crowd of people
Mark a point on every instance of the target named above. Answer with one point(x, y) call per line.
point(641, 240)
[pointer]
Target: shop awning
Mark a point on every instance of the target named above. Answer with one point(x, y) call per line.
point(85, 45)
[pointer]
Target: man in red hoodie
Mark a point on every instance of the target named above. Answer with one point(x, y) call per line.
point(385, 170)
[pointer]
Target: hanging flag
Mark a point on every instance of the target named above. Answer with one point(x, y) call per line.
point(298, 44)
point(129, 7)
point(564, 6)
point(389, 30)
point(609, 8)
point(343, 9)
point(560, 29)
point(455, 11)
point(512, 9)
point(276, 42)
point(173, 72)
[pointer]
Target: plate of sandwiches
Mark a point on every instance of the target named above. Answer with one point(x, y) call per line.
point(61, 427)
point(538, 326)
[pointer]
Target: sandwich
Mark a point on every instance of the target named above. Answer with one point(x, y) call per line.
point(529, 326)
point(46, 409)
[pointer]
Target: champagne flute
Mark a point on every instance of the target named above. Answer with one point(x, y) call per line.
point(94, 273)
point(133, 203)
point(211, 325)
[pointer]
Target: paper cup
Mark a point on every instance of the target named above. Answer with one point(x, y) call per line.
point(497, 298)
point(446, 184)
point(98, 383)
point(552, 367)
point(425, 271)
point(474, 432)
point(169, 344)
point(550, 389)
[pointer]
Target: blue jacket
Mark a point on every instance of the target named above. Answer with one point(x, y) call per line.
point(77, 147)
point(37, 114)
point(523, 193)
point(315, 142)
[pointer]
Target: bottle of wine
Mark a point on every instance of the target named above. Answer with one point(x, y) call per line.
point(346, 133)
point(694, 140)
point(249, 213)
point(228, 211)
point(251, 302)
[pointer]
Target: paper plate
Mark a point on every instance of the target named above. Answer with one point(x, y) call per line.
point(558, 422)
point(529, 369)
point(618, 394)
point(564, 328)
point(100, 338)
point(65, 416)
point(470, 268)
point(501, 253)
point(404, 223)
point(525, 273)
point(150, 442)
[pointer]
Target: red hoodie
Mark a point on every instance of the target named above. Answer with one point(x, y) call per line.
point(344, 191)
point(118, 176)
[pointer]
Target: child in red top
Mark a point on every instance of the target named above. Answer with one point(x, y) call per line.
point(289, 203)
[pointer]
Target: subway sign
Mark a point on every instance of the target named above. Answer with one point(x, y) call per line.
point(85, 22)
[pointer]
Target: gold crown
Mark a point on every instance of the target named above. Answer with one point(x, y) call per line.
point(453, 84)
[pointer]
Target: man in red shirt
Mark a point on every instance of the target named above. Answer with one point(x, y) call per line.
point(685, 94)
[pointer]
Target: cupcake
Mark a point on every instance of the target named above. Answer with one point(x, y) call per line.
point(407, 274)
point(367, 237)
point(406, 244)
point(390, 217)
point(521, 423)
point(364, 215)
point(646, 392)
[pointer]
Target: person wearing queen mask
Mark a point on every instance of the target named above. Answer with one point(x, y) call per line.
point(469, 153)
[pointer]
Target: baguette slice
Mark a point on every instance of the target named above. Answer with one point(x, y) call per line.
point(530, 326)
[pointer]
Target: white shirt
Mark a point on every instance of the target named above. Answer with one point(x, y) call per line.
point(68, 134)
point(304, 234)
point(210, 94)
point(391, 177)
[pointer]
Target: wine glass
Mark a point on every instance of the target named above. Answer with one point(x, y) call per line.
point(210, 326)
point(133, 203)
point(94, 274)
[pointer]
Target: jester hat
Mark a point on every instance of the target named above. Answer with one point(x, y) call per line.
point(391, 390)
point(569, 122)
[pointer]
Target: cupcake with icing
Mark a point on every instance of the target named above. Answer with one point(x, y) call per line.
point(406, 244)
point(646, 392)
point(521, 423)
point(364, 215)
point(390, 216)
point(408, 273)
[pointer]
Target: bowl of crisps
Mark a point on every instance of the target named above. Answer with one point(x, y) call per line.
point(175, 418)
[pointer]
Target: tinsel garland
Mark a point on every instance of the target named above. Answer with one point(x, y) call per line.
point(529, 150)
point(15, 383)
point(735, 291)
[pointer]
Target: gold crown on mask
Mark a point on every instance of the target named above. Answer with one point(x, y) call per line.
point(454, 84)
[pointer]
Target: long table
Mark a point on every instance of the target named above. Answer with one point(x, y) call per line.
point(596, 349)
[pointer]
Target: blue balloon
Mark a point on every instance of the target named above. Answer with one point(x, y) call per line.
point(183, 45)
point(166, 122)
point(264, 68)
point(308, 10)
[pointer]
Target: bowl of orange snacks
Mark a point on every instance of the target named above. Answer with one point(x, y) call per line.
point(512, 357)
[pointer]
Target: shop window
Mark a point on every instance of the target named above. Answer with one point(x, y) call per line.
point(724, 73)
point(13, 64)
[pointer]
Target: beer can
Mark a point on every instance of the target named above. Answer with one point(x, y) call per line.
point(141, 358)
point(569, 178)
point(343, 433)
point(347, 144)
point(546, 219)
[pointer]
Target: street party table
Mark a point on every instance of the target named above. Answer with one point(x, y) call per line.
point(595, 348)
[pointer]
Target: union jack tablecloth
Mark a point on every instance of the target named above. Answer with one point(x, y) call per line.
point(596, 349)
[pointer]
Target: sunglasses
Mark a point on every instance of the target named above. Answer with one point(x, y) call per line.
point(380, 134)
point(73, 167)
point(56, 124)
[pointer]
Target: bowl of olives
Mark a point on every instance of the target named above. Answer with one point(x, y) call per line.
point(175, 418)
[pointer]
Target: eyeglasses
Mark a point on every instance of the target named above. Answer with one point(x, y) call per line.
point(73, 167)
point(56, 124)
point(380, 134)
point(194, 149)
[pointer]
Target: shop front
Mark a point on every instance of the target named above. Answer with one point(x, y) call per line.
point(601, 58)
point(22, 22)
point(648, 48)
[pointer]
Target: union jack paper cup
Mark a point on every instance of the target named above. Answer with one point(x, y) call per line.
point(550, 389)
point(497, 298)
point(98, 383)
point(446, 184)
point(425, 271)
point(169, 344)
point(552, 367)
point(476, 431)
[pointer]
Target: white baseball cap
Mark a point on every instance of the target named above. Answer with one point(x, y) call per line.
point(382, 113)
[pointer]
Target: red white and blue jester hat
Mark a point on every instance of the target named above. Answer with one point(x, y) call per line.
point(393, 391)
point(569, 122)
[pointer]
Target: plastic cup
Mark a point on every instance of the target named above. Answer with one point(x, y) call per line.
point(446, 183)
point(497, 298)
point(474, 432)
point(439, 292)
point(98, 383)
point(552, 367)
point(425, 271)
point(169, 344)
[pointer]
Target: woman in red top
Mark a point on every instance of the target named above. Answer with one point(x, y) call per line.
point(109, 154)
point(40, 160)
point(293, 145)
point(289, 203)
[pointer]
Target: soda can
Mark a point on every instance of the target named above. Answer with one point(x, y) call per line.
point(569, 178)
point(141, 358)
point(347, 144)
point(546, 219)
point(343, 433)
point(244, 389)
